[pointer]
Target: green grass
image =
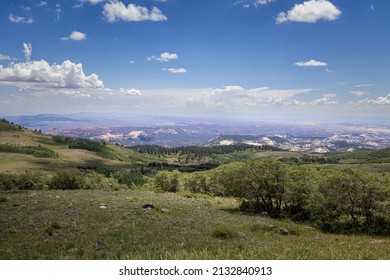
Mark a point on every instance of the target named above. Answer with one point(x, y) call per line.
point(71, 225)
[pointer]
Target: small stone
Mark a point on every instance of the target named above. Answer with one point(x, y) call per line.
point(148, 205)
point(283, 231)
point(163, 210)
point(241, 234)
point(264, 214)
point(103, 206)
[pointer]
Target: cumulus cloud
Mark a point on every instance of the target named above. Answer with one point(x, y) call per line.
point(75, 36)
point(67, 77)
point(116, 10)
point(358, 92)
point(18, 19)
point(176, 70)
point(326, 99)
point(382, 100)
point(27, 50)
point(310, 11)
point(311, 63)
point(131, 92)
point(4, 57)
point(164, 57)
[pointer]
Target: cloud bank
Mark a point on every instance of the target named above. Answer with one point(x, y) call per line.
point(65, 78)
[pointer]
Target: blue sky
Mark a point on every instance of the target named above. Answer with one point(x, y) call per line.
point(255, 58)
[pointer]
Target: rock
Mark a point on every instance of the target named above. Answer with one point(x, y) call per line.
point(283, 231)
point(103, 206)
point(264, 214)
point(163, 210)
point(148, 205)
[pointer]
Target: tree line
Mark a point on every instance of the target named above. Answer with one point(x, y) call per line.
point(199, 151)
point(345, 201)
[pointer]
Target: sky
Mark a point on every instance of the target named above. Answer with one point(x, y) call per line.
point(326, 59)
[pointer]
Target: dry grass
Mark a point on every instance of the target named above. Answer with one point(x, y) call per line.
point(126, 231)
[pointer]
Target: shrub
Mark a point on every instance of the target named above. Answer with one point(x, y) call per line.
point(168, 181)
point(224, 232)
point(129, 177)
point(65, 180)
point(8, 181)
point(197, 183)
point(98, 181)
point(25, 181)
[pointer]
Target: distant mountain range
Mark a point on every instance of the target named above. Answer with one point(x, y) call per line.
point(307, 136)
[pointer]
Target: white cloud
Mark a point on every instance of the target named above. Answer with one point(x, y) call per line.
point(26, 8)
point(358, 92)
point(176, 70)
point(364, 85)
point(326, 99)
point(323, 101)
point(236, 96)
point(4, 57)
point(256, 3)
point(17, 19)
point(75, 36)
point(372, 8)
point(382, 100)
point(58, 12)
point(116, 10)
point(67, 77)
point(131, 61)
point(311, 63)
point(42, 3)
point(164, 57)
point(27, 50)
point(94, 2)
point(329, 95)
point(329, 70)
point(310, 11)
point(131, 92)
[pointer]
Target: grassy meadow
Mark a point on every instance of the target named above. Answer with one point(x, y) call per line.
point(71, 225)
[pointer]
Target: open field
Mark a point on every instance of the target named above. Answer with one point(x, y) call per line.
point(70, 225)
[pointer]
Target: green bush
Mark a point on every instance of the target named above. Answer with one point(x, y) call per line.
point(168, 181)
point(224, 232)
point(65, 180)
point(98, 181)
point(129, 177)
point(197, 183)
point(25, 181)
